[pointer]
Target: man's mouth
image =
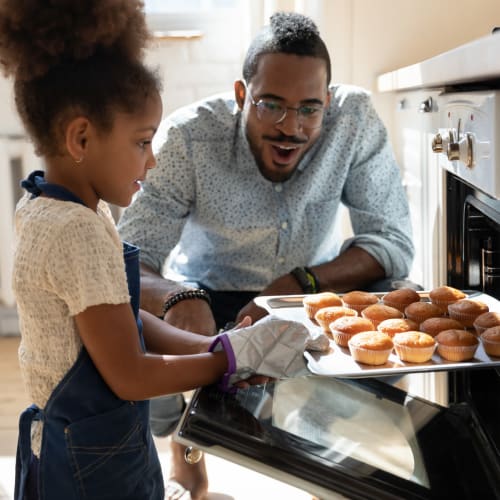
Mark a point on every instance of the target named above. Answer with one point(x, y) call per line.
point(284, 154)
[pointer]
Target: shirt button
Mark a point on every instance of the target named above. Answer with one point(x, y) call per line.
point(281, 260)
point(278, 188)
point(284, 225)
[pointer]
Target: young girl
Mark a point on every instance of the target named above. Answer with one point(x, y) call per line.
point(87, 353)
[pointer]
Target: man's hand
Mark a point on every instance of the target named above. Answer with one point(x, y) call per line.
point(252, 310)
point(193, 315)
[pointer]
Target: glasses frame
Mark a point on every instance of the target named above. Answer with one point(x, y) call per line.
point(300, 117)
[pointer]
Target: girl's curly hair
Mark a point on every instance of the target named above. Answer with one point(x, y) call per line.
point(74, 56)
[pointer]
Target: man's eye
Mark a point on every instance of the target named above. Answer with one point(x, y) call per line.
point(271, 106)
point(309, 110)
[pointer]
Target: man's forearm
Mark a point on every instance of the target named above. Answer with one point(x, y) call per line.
point(155, 290)
point(352, 269)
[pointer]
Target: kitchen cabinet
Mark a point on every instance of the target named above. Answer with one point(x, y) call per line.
point(416, 122)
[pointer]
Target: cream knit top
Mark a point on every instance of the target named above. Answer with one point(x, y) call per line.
point(67, 258)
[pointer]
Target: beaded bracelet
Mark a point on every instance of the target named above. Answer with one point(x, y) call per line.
point(187, 294)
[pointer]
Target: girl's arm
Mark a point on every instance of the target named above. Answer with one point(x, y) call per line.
point(109, 333)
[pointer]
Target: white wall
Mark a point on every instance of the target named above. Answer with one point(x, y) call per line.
point(370, 37)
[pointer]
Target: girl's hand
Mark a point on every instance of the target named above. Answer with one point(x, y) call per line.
point(254, 380)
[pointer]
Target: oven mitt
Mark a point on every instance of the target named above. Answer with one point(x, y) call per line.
point(273, 347)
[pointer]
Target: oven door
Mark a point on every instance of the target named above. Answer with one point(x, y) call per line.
point(353, 438)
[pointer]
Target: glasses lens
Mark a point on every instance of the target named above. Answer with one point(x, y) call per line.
point(310, 116)
point(272, 112)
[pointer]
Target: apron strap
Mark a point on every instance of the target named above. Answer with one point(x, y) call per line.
point(36, 185)
point(23, 454)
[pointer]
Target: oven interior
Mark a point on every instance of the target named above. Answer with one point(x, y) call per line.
point(473, 263)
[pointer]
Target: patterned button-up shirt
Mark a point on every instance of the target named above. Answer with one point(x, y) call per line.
point(224, 225)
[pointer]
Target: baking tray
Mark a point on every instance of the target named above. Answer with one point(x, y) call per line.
point(337, 362)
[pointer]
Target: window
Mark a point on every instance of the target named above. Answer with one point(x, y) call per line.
point(166, 6)
point(169, 15)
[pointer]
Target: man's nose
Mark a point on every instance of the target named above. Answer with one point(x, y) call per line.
point(290, 123)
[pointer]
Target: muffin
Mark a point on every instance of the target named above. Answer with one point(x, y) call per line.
point(313, 303)
point(401, 298)
point(491, 341)
point(433, 326)
point(420, 311)
point(370, 348)
point(377, 313)
point(342, 329)
point(443, 296)
point(485, 321)
point(456, 345)
point(328, 315)
point(466, 311)
point(414, 347)
point(396, 325)
point(358, 300)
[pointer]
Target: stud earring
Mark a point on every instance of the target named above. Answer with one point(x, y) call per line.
point(79, 160)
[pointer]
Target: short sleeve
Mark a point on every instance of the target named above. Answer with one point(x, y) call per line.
point(85, 266)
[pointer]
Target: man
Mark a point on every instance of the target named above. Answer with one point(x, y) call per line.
point(247, 191)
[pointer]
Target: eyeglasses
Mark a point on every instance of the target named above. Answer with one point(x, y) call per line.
point(272, 112)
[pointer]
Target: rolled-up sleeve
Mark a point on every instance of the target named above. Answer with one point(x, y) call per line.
point(376, 199)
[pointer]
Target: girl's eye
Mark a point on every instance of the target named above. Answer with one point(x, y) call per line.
point(143, 144)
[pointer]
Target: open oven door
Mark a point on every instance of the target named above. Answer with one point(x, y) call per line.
point(351, 438)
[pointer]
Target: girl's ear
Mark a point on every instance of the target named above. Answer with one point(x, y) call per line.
point(239, 93)
point(76, 138)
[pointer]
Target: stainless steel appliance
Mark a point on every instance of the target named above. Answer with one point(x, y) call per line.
point(468, 144)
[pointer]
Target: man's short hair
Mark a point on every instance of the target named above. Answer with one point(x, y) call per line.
point(288, 33)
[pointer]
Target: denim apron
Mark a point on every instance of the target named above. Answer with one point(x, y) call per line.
point(94, 444)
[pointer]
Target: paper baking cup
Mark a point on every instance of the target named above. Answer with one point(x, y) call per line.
point(480, 329)
point(491, 348)
point(397, 305)
point(457, 353)
point(414, 354)
point(358, 307)
point(443, 304)
point(311, 311)
point(369, 356)
point(466, 319)
point(341, 338)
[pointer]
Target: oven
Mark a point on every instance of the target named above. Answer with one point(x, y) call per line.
point(365, 438)
point(468, 149)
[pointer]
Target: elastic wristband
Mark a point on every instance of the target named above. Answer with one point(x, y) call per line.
point(187, 294)
point(305, 279)
point(223, 339)
point(313, 279)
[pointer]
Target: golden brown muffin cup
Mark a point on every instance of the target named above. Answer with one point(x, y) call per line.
point(371, 348)
point(456, 345)
point(414, 346)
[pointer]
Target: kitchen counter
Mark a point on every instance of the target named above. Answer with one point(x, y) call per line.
point(475, 61)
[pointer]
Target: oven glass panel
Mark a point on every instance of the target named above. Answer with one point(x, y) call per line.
point(362, 438)
point(354, 426)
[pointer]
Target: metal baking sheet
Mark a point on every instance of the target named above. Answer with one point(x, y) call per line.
point(338, 361)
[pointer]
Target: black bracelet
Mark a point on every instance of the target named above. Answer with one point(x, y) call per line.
point(306, 279)
point(188, 294)
point(314, 279)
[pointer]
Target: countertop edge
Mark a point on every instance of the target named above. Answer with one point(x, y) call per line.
point(478, 60)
